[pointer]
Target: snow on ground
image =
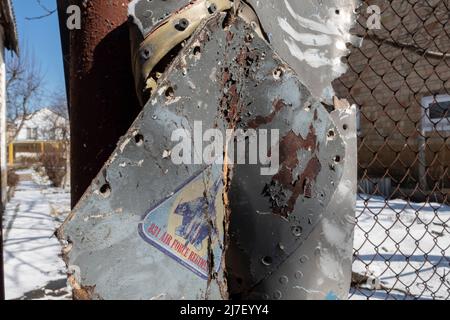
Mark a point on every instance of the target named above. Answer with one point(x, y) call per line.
point(413, 256)
point(402, 247)
point(33, 266)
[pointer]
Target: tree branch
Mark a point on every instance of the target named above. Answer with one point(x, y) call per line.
point(48, 13)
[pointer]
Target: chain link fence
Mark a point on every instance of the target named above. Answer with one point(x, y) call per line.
point(400, 79)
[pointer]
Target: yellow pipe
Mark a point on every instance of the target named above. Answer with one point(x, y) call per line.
point(11, 154)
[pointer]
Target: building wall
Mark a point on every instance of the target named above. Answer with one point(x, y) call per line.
point(388, 82)
point(3, 129)
point(46, 126)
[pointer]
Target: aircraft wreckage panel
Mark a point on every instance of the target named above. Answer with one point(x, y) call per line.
point(150, 229)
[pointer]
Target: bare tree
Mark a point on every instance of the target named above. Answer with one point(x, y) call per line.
point(59, 104)
point(55, 126)
point(24, 82)
point(47, 12)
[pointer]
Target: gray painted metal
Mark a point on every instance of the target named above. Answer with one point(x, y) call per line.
point(147, 15)
point(285, 236)
point(311, 36)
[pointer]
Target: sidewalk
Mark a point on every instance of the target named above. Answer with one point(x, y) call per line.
point(33, 266)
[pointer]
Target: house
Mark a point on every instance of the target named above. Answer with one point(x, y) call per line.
point(43, 131)
point(400, 79)
point(42, 125)
point(8, 41)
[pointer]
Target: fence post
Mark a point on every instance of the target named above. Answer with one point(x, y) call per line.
point(11, 154)
point(423, 152)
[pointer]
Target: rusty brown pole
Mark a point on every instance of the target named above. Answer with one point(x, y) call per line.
point(102, 97)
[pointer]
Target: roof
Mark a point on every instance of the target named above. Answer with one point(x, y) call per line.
point(8, 21)
point(41, 115)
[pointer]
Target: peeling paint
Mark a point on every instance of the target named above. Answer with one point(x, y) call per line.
point(311, 37)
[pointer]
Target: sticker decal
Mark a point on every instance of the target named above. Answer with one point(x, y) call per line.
point(184, 225)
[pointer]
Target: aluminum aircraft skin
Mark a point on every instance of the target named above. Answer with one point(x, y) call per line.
point(149, 228)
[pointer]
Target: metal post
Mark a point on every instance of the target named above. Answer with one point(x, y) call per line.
point(103, 101)
point(422, 141)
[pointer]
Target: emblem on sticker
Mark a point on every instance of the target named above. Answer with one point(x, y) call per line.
point(190, 221)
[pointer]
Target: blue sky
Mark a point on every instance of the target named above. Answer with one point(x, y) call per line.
point(41, 39)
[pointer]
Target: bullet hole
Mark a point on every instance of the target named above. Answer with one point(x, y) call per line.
point(267, 261)
point(284, 280)
point(297, 231)
point(182, 24)
point(146, 54)
point(249, 38)
point(331, 134)
point(139, 139)
point(345, 127)
point(277, 73)
point(277, 295)
point(337, 159)
point(212, 8)
point(105, 190)
point(197, 51)
point(337, 11)
point(170, 93)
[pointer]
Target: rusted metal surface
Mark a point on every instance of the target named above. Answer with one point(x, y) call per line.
point(126, 238)
point(308, 254)
point(99, 62)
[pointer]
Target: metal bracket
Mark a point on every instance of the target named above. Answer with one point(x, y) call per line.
point(161, 37)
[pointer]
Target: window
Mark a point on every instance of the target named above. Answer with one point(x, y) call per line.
point(437, 113)
point(32, 134)
point(439, 110)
